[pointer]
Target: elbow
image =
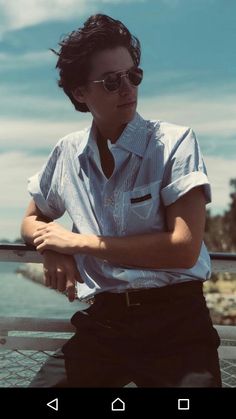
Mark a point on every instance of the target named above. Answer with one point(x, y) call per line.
point(24, 232)
point(190, 257)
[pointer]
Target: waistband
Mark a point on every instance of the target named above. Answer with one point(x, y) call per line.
point(137, 297)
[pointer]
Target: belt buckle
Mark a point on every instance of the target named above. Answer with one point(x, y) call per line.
point(88, 301)
point(128, 303)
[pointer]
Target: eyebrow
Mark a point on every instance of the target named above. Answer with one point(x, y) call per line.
point(113, 72)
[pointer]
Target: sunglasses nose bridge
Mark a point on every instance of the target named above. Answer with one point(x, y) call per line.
point(125, 83)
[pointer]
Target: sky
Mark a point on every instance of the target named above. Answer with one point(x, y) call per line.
point(189, 63)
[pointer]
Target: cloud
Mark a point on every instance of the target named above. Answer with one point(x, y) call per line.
point(36, 132)
point(24, 13)
point(25, 60)
point(219, 180)
point(15, 169)
point(208, 115)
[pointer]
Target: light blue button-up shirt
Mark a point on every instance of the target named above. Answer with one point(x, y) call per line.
point(155, 164)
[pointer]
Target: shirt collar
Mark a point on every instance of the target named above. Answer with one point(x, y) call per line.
point(92, 139)
point(132, 139)
point(88, 142)
point(134, 136)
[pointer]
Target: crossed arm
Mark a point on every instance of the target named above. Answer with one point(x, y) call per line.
point(178, 247)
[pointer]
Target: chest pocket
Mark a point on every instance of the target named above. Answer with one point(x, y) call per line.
point(141, 209)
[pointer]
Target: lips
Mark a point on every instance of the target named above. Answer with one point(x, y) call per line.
point(127, 104)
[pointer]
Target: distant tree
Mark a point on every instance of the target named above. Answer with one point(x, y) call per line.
point(229, 219)
point(6, 241)
point(220, 230)
point(18, 240)
point(3, 241)
point(215, 238)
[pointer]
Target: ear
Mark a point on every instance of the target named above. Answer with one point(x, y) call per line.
point(78, 94)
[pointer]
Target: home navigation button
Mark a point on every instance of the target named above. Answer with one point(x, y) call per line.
point(118, 405)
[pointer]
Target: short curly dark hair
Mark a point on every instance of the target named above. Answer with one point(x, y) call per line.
point(99, 32)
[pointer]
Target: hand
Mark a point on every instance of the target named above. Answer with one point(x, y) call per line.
point(55, 237)
point(61, 273)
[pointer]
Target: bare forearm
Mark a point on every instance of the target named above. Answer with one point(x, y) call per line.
point(151, 251)
point(30, 225)
point(178, 247)
point(155, 251)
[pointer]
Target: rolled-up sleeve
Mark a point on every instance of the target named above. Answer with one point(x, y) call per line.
point(184, 170)
point(45, 187)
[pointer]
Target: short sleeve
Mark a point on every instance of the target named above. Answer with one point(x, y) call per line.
point(45, 187)
point(184, 170)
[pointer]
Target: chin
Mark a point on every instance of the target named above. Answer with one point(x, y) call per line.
point(128, 115)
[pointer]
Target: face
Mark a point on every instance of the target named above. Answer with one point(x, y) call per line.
point(109, 108)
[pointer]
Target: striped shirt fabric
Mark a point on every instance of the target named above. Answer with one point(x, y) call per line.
point(155, 164)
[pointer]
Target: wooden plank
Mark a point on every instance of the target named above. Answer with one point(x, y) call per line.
point(62, 325)
point(35, 324)
point(31, 256)
point(221, 262)
point(223, 266)
point(31, 343)
point(51, 344)
point(227, 352)
point(226, 332)
point(21, 256)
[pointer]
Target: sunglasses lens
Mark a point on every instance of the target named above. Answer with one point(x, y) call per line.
point(112, 82)
point(135, 76)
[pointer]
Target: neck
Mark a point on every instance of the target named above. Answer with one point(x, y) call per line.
point(111, 133)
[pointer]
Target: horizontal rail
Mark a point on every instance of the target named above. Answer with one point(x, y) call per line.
point(62, 325)
point(19, 253)
point(33, 323)
point(35, 343)
point(227, 333)
point(26, 324)
point(221, 262)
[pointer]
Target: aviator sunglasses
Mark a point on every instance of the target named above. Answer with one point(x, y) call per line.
point(112, 82)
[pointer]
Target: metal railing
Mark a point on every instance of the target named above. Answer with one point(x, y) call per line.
point(26, 342)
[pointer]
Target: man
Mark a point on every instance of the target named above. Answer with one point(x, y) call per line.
point(136, 192)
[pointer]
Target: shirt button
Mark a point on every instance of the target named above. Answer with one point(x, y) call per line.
point(108, 202)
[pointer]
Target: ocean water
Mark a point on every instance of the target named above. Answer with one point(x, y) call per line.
point(22, 297)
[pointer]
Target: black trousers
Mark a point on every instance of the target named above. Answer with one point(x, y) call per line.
point(165, 340)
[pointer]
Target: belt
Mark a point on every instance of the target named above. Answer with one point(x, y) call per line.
point(137, 297)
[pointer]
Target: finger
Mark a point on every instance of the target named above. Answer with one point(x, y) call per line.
point(44, 227)
point(47, 278)
point(70, 288)
point(38, 240)
point(78, 277)
point(41, 247)
point(54, 280)
point(61, 280)
point(39, 232)
point(44, 245)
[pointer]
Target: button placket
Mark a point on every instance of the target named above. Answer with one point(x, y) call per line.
point(105, 208)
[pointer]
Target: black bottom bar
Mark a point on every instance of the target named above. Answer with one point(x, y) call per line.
point(113, 403)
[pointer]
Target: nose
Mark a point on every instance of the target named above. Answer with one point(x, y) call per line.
point(125, 85)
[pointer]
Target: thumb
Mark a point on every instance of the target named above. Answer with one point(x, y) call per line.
point(78, 277)
point(70, 288)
